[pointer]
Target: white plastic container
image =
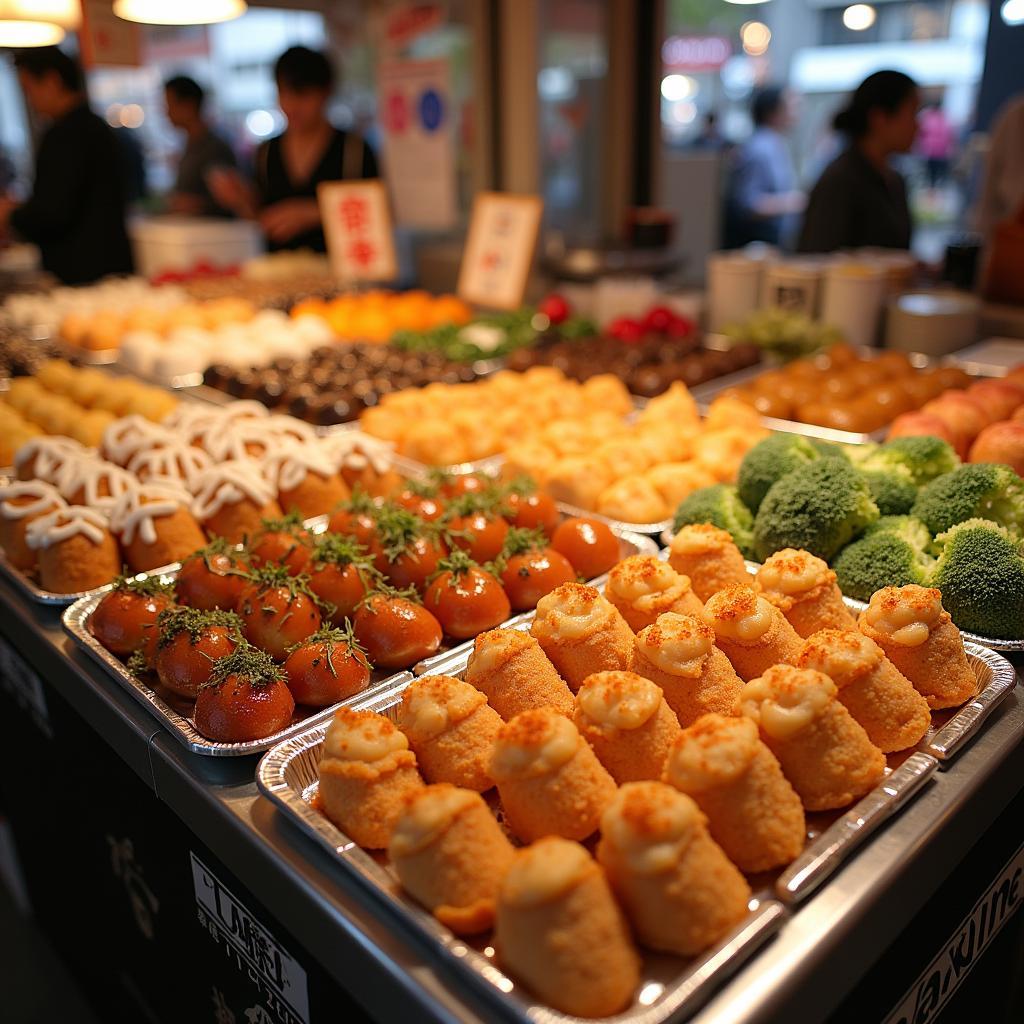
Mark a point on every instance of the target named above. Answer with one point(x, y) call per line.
point(179, 243)
point(794, 285)
point(853, 300)
point(734, 288)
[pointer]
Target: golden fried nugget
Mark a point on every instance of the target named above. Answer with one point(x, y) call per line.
point(511, 669)
point(894, 715)
point(919, 638)
point(366, 773)
point(752, 633)
point(643, 587)
point(753, 812)
point(625, 719)
point(681, 892)
point(451, 729)
point(679, 654)
point(709, 557)
point(582, 633)
point(451, 855)
point(824, 752)
point(804, 589)
point(561, 932)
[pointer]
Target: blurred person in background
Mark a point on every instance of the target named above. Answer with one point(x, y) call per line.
point(763, 198)
point(75, 213)
point(289, 166)
point(1002, 190)
point(710, 137)
point(935, 142)
point(859, 199)
point(204, 150)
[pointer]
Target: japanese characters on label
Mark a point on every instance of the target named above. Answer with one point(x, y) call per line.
point(357, 225)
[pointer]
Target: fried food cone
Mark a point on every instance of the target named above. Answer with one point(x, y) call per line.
point(804, 589)
point(643, 587)
point(709, 557)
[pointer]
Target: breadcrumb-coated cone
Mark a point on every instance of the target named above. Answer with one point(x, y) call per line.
point(509, 667)
point(750, 656)
point(710, 558)
point(643, 587)
point(894, 715)
point(571, 945)
point(753, 812)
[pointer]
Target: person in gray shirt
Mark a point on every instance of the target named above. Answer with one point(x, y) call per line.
point(204, 150)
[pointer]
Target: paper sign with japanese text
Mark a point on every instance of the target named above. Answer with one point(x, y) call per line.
point(499, 249)
point(357, 226)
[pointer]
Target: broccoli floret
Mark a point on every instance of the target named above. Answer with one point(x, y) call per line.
point(912, 530)
point(819, 507)
point(770, 460)
point(880, 560)
point(719, 505)
point(980, 573)
point(893, 490)
point(831, 449)
point(923, 458)
point(979, 490)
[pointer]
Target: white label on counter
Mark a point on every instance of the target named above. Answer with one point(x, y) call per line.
point(943, 976)
point(267, 964)
point(24, 686)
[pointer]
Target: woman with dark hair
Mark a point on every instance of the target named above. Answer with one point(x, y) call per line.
point(859, 199)
point(762, 195)
point(291, 165)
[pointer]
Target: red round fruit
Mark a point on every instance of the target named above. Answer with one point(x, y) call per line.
point(529, 576)
point(396, 632)
point(466, 599)
point(480, 534)
point(454, 485)
point(282, 542)
point(191, 643)
point(626, 330)
point(355, 518)
point(125, 619)
point(341, 574)
point(533, 511)
point(246, 699)
point(327, 668)
point(211, 578)
point(658, 319)
point(405, 550)
point(555, 307)
point(277, 611)
point(589, 544)
point(680, 327)
point(428, 507)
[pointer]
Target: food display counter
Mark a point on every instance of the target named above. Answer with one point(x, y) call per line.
point(175, 891)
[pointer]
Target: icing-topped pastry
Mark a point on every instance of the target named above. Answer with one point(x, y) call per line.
point(136, 510)
point(643, 587)
point(352, 449)
point(63, 523)
point(43, 458)
point(677, 644)
point(173, 461)
point(93, 482)
point(433, 705)
point(130, 434)
point(786, 700)
point(534, 743)
point(612, 701)
point(228, 483)
point(26, 499)
point(739, 613)
point(363, 736)
point(570, 612)
point(905, 615)
point(789, 574)
point(289, 464)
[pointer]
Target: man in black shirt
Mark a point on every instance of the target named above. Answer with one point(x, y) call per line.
point(76, 211)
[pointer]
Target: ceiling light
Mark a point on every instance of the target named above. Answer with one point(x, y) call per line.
point(36, 22)
point(858, 17)
point(677, 87)
point(755, 36)
point(746, 1)
point(1012, 12)
point(179, 12)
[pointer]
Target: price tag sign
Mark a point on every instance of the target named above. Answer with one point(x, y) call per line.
point(499, 249)
point(106, 39)
point(357, 226)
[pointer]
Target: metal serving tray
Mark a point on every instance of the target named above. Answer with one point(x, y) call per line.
point(991, 642)
point(669, 986)
point(176, 712)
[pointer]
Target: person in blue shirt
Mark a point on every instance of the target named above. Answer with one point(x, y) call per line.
point(763, 199)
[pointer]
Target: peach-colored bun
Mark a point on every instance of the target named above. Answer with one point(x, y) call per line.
point(1002, 397)
point(921, 424)
point(961, 413)
point(1001, 442)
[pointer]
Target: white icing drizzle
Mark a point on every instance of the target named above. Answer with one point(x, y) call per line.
point(63, 523)
point(130, 434)
point(141, 504)
point(175, 461)
point(228, 484)
point(353, 449)
point(50, 454)
point(290, 463)
point(47, 497)
point(86, 474)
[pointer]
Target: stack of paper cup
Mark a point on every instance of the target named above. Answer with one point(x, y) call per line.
point(794, 285)
point(734, 288)
point(854, 294)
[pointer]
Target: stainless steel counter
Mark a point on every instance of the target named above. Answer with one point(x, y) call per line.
point(816, 959)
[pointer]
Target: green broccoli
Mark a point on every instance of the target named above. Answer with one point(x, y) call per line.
point(923, 458)
point(912, 530)
point(878, 560)
point(770, 460)
point(979, 490)
point(719, 505)
point(832, 449)
point(818, 507)
point(980, 573)
point(893, 489)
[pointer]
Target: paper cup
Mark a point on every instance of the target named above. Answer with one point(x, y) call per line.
point(734, 288)
point(853, 299)
point(794, 287)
